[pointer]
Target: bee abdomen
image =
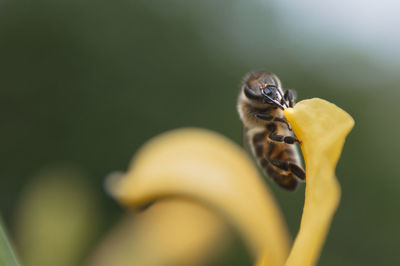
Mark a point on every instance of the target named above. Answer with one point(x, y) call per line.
point(276, 160)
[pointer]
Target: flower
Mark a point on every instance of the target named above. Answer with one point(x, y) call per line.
point(207, 168)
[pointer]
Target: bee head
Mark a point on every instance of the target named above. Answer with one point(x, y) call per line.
point(264, 88)
point(270, 93)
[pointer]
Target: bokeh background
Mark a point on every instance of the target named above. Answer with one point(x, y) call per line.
point(84, 83)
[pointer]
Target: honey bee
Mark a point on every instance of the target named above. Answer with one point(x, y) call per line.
point(265, 129)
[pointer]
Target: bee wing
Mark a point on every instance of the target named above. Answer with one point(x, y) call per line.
point(245, 140)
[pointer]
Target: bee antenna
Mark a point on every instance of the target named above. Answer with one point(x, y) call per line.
point(272, 100)
point(275, 102)
point(283, 98)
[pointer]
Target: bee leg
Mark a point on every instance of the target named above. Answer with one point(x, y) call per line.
point(280, 164)
point(273, 168)
point(291, 167)
point(279, 138)
point(297, 171)
point(286, 139)
point(285, 165)
point(289, 97)
point(268, 117)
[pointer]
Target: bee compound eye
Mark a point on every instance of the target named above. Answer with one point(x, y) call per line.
point(267, 91)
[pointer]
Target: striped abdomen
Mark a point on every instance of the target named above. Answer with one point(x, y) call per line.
point(279, 160)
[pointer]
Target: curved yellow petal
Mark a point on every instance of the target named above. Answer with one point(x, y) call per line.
point(207, 167)
point(171, 232)
point(322, 127)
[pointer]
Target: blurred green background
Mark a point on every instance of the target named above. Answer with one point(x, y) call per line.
point(84, 83)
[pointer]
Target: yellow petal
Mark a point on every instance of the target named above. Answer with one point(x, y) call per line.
point(206, 167)
point(170, 232)
point(322, 127)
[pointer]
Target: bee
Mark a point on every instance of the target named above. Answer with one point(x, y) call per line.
point(265, 129)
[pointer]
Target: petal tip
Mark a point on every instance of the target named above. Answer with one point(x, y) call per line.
point(112, 182)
